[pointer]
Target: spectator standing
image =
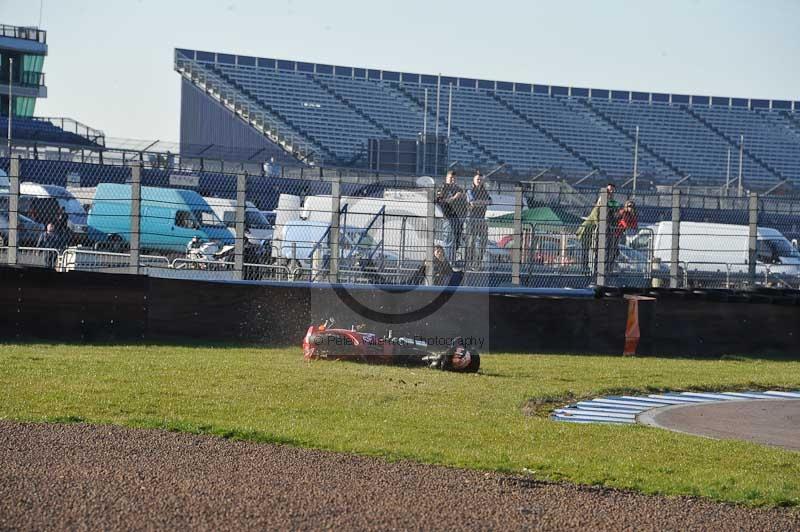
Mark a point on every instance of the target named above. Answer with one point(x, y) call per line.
point(627, 219)
point(62, 227)
point(587, 232)
point(477, 228)
point(49, 239)
point(271, 168)
point(453, 201)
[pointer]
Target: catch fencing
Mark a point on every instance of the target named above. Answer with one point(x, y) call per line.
point(131, 218)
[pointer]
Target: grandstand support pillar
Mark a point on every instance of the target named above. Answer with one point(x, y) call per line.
point(239, 242)
point(136, 216)
point(675, 246)
point(13, 210)
point(336, 204)
point(602, 239)
point(430, 228)
point(10, 101)
point(635, 161)
point(753, 238)
point(516, 248)
point(740, 190)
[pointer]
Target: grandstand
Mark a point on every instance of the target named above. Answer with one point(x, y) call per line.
point(326, 115)
point(22, 54)
point(35, 131)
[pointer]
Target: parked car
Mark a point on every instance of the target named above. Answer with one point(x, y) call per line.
point(270, 216)
point(170, 219)
point(28, 230)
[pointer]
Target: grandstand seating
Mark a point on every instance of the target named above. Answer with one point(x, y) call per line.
point(528, 127)
point(44, 131)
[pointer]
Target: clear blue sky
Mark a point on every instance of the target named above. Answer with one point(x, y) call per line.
point(110, 62)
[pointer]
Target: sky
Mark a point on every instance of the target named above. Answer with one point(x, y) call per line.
point(110, 62)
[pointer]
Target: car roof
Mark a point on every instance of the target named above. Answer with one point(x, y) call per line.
point(178, 196)
point(40, 189)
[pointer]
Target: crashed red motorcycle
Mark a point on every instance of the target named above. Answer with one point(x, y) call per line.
point(325, 342)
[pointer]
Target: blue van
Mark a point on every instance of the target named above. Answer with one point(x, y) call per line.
point(170, 218)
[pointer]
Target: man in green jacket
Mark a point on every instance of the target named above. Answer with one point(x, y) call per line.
point(587, 232)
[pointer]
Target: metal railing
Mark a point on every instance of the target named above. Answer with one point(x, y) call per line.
point(32, 257)
point(26, 78)
point(83, 259)
point(73, 126)
point(23, 32)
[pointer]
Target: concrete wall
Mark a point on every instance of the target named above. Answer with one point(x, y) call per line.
point(82, 306)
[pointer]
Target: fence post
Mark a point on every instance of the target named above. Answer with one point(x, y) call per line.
point(336, 197)
point(430, 228)
point(13, 210)
point(516, 248)
point(136, 216)
point(753, 238)
point(602, 239)
point(238, 243)
point(675, 246)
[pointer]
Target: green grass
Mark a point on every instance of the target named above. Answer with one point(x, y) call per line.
point(473, 421)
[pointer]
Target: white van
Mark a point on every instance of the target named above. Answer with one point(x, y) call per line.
point(257, 228)
point(301, 238)
point(712, 247)
point(44, 203)
point(397, 220)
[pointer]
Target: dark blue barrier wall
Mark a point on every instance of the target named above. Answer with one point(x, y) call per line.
point(80, 306)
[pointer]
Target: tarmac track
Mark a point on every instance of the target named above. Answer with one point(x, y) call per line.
point(769, 422)
point(82, 477)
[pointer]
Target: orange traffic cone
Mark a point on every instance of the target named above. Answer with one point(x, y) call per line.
point(632, 328)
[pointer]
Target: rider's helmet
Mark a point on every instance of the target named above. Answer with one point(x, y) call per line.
point(460, 356)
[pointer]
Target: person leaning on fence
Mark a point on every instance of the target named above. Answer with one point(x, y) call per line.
point(453, 201)
point(477, 228)
point(587, 232)
point(626, 219)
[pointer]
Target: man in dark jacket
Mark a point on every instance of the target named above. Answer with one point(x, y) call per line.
point(453, 201)
point(50, 238)
point(442, 271)
point(477, 228)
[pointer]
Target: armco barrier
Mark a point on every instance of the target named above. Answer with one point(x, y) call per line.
point(86, 306)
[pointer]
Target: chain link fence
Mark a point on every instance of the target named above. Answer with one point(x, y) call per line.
point(287, 226)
